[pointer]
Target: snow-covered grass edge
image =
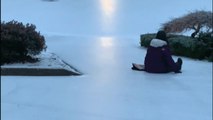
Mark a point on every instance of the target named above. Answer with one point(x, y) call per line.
point(49, 64)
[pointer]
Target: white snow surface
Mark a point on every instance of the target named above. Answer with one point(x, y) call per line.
point(101, 39)
point(47, 60)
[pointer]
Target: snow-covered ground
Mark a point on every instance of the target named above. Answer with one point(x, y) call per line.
point(46, 60)
point(101, 39)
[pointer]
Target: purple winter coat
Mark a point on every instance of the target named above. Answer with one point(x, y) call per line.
point(159, 58)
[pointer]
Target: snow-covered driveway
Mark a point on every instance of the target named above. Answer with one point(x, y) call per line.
point(101, 39)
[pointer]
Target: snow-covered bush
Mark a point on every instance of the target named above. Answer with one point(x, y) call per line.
point(145, 39)
point(198, 48)
point(19, 42)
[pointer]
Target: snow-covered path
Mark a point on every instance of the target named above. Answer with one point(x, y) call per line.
point(102, 46)
point(109, 89)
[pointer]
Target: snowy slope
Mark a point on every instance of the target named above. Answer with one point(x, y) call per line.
point(109, 89)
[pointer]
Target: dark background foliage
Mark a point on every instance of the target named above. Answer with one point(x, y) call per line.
point(200, 47)
point(19, 42)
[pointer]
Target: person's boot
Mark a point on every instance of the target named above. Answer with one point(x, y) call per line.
point(134, 68)
point(180, 62)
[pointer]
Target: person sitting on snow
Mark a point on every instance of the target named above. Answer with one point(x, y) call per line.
point(158, 58)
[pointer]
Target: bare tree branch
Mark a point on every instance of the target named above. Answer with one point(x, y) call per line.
point(191, 21)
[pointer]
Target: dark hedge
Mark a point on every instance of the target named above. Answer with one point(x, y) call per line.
point(198, 48)
point(19, 42)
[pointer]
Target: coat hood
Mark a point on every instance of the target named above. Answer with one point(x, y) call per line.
point(157, 43)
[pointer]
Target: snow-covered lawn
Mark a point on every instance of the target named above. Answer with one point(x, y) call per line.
point(103, 49)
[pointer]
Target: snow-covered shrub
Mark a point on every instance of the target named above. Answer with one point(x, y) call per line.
point(19, 42)
point(145, 39)
point(186, 46)
point(199, 48)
